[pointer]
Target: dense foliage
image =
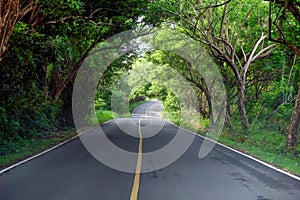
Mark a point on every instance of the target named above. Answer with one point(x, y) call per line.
point(254, 43)
point(46, 48)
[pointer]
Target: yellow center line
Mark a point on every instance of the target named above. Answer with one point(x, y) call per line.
point(137, 177)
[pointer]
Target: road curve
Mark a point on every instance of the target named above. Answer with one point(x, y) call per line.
point(71, 172)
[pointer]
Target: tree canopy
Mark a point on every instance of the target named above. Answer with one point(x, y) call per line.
point(255, 45)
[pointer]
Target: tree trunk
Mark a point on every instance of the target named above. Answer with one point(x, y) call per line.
point(65, 117)
point(228, 117)
point(292, 133)
point(210, 113)
point(242, 106)
point(11, 11)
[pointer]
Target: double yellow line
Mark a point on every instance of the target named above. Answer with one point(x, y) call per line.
point(137, 177)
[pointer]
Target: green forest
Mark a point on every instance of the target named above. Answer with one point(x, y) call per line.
point(255, 46)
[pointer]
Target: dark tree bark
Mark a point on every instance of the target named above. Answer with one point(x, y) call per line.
point(280, 19)
point(291, 6)
point(242, 105)
point(11, 12)
point(292, 136)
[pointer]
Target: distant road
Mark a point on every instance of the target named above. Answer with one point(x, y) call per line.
point(70, 172)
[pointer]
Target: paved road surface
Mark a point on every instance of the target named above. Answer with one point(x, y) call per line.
point(70, 172)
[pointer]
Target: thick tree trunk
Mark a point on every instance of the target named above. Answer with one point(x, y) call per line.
point(292, 136)
point(65, 116)
point(242, 106)
point(210, 113)
point(228, 117)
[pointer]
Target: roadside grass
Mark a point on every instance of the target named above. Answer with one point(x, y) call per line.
point(187, 120)
point(104, 115)
point(172, 116)
point(28, 147)
point(264, 145)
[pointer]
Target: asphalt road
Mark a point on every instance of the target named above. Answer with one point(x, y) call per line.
point(71, 172)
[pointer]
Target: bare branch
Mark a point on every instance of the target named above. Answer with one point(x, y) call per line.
point(262, 51)
point(252, 56)
point(215, 6)
point(245, 57)
point(290, 5)
point(240, 29)
point(250, 59)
